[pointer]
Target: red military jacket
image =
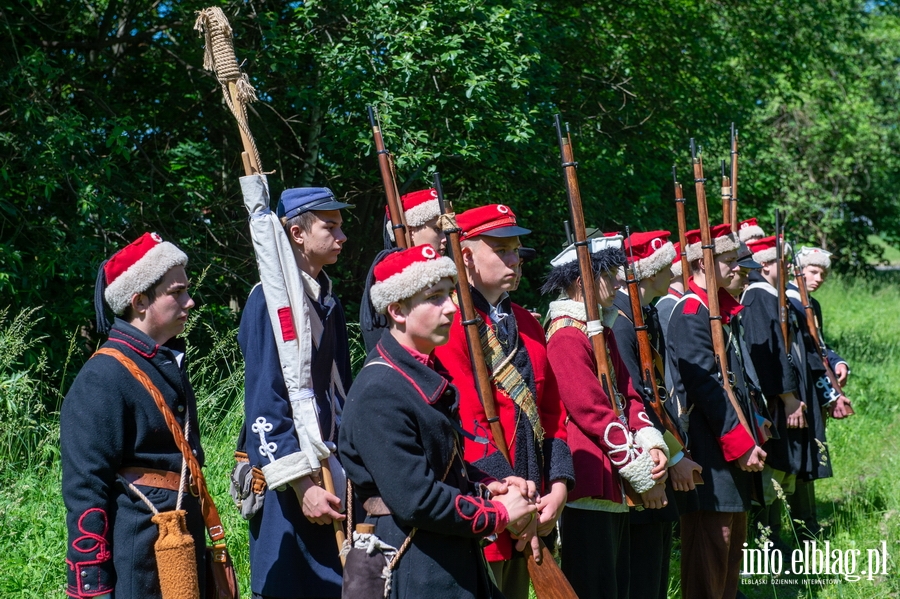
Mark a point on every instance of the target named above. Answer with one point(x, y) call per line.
point(453, 360)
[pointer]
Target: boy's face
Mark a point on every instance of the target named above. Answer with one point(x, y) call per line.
point(321, 244)
point(726, 268)
point(815, 276)
point(166, 316)
point(493, 263)
point(429, 234)
point(427, 316)
point(607, 284)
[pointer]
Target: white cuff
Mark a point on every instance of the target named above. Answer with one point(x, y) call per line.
point(287, 469)
point(649, 438)
point(639, 472)
point(675, 459)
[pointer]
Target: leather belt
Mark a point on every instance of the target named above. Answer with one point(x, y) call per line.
point(375, 506)
point(148, 477)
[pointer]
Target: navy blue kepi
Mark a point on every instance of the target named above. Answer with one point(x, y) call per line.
point(303, 199)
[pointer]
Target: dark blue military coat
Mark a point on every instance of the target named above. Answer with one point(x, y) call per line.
point(109, 422)
point(290, 557)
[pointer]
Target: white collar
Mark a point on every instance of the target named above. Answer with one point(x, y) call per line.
point(576, 310)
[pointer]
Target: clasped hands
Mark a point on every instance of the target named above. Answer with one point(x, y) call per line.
point(531, 515)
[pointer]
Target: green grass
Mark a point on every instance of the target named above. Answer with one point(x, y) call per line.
point(860, 506)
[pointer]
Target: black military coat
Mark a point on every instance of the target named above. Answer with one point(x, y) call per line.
point(715, 436)
point(109, 422)
point(398, 439)
point(779, 372)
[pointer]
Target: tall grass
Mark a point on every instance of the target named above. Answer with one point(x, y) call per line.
point(28, 433)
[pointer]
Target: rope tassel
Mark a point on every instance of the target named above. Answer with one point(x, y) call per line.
point(219, 57)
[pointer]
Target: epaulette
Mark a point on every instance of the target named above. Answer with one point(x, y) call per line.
point(692, 305)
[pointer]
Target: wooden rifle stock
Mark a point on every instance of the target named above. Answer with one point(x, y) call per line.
point(647, 364)
point(548, 580)
point(813, 325)
point(389, 179)
point(712, 292)
point(588, 287)
point(682, 230)
point(734, 180)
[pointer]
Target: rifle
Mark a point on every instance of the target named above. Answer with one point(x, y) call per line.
point(712, 291)
point(648, 376)
point(726, 196)
point(588, 287)
point(389, 179)
point(548, 580)
point(834, 391)
point(682, 229)
point(781, 282)
point(220, 58)
point(734, 178)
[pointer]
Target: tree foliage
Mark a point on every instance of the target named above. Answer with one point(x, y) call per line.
point(110, 127)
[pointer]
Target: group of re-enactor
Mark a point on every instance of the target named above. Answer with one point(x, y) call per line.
point(412, 435)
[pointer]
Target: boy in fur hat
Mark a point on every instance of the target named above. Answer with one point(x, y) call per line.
point(712, 536)
point(816, 264)
point(595, 524)
point(401, 436)
point(421, 211)
point(524, 387)
point(785, 382)
point(651, 255)
point(112, 433)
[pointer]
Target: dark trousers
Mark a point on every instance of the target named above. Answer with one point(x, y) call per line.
point(803, 508)
point(595, 553)
point(711, 544)
point(651, 546)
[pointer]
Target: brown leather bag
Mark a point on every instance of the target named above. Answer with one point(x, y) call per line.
point(221, 579)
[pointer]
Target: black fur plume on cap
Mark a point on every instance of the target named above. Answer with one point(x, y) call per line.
point(562, 276)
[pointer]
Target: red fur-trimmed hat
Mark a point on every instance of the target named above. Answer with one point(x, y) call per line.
point(419, 207)
point(649, 252)
point(401, 275)
point(722, 237)
point(763, 249)
point(136, 267)
point(749, 230)
point(493, 220)
point(811, 256)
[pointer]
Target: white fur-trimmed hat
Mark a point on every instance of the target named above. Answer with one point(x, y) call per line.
point(764, 250)
point(401, 275)
point(749, 230)
point(722, 237)
point(649, 252)
point(136, 267)
point(812, 256)
point(419, 207)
